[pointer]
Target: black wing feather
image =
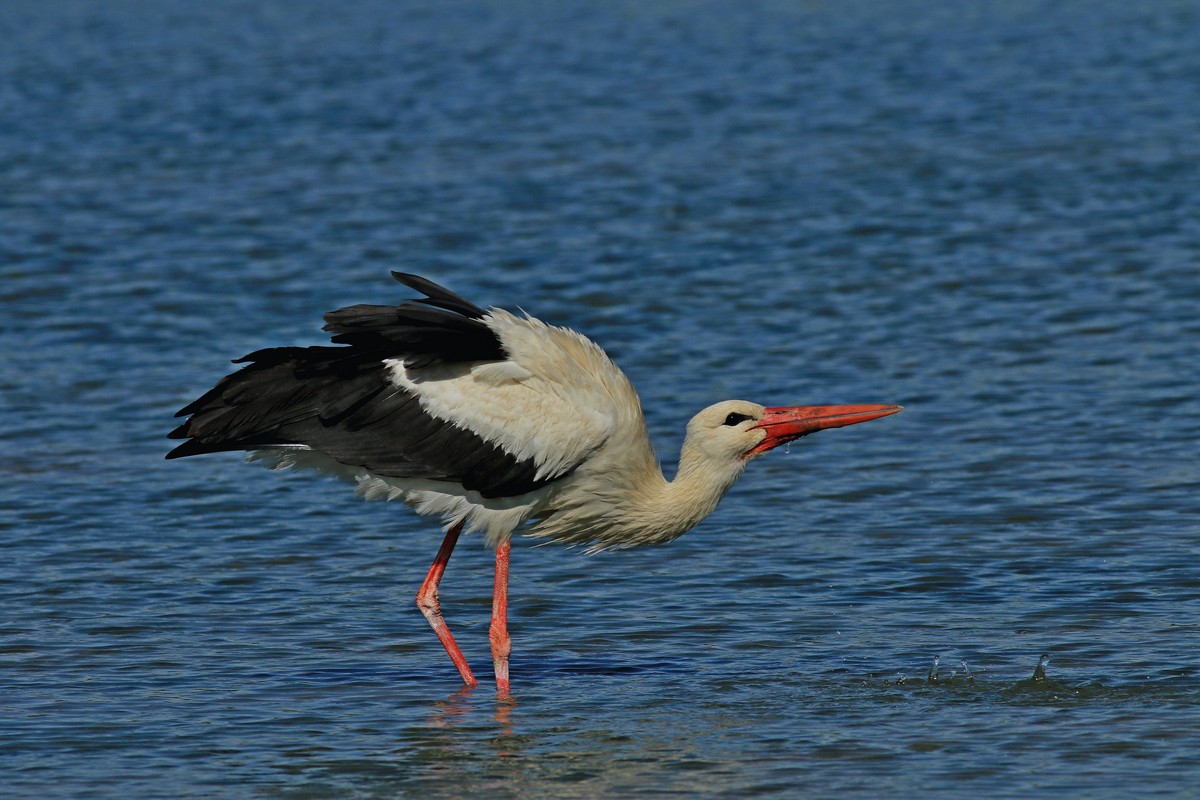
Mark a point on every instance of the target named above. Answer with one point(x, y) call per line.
point(339, 400)
point(439, 295)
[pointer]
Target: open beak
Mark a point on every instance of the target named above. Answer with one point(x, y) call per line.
point(788, 423)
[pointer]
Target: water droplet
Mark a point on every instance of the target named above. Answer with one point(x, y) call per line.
point(1039, 673)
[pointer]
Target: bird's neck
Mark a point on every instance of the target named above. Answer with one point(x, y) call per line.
point(622, 504)
point(670, 508)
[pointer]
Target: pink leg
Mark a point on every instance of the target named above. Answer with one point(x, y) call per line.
point(427, 601)
point(498, 633)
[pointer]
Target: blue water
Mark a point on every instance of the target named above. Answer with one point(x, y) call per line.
point(986, 213)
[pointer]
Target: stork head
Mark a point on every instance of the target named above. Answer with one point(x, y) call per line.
point(722, 439)
point(735, 431)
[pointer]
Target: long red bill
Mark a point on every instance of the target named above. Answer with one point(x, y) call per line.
point(788, 423)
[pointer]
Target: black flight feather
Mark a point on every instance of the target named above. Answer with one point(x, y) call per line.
point(439, 295)
point(340, 401)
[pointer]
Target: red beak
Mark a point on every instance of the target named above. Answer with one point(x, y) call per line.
point(788, 423)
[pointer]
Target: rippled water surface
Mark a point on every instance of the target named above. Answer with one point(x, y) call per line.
point(986, 213)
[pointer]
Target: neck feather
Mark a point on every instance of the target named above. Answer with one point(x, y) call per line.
point(629, 508)
point(671, 508)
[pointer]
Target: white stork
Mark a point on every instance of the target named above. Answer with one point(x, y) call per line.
point(487, 420)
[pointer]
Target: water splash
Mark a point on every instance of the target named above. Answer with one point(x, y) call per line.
point(1039, 672)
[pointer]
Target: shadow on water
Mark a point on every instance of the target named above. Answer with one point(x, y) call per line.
point(545, 669)
point(531, 672)
point(465, 704)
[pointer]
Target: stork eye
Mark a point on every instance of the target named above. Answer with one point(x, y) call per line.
point(734, 418)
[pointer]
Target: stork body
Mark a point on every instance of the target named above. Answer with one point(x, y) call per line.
point(488, 421)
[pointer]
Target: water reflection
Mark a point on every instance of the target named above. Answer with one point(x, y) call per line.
point(451, 711)
point(458, 709)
